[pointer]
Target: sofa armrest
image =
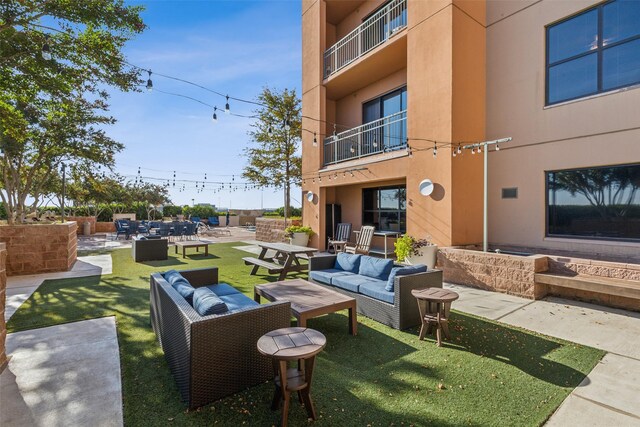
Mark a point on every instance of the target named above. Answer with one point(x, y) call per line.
point(201, 276)
point(322, 262)
point(405, 284)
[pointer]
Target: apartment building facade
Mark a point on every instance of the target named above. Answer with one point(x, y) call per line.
point(392, 90)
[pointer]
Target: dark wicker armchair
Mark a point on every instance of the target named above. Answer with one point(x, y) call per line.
point(403, 313)
point(212, 356)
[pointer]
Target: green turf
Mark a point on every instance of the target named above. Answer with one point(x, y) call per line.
point(489, 374)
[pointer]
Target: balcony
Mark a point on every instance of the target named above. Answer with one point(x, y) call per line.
point(379, 136)
point(373, 32)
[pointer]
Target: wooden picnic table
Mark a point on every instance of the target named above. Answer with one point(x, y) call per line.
point(285, 260)
point(192, 244)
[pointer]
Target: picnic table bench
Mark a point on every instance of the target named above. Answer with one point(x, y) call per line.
point(286, 259)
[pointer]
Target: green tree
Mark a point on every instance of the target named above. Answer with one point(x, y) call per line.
point(52, 109)
point(274, 160)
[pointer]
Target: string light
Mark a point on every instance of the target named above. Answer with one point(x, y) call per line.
point(287, 124)
point(435, 151)
point(215, 116)
point(459, 150)
point(473, 150)
point(315, 140)
point(497, 147)
point(149, 82)
point(46, 49)
point(227, 110)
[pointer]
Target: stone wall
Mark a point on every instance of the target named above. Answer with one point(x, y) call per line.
point(39, 248)
point(272, 229)
point(3, 301)
point(105, 227)
point(81, 220)
point(510, 274)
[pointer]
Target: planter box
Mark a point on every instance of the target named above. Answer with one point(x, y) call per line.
point(272, 229)
point(39, 248)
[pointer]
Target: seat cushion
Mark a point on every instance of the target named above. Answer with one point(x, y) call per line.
point(347, 262)
point(223, 289)
point(403, 271)
point(375, 289)
point(237, 301)
point(376, 268)
point(185, 289)
point(350, 282)
point(205, 302)
point(326, 276)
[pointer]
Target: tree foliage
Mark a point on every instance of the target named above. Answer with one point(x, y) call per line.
point(54, 110)
point(274, 160)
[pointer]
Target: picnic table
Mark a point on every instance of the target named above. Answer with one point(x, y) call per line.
point(286, 259)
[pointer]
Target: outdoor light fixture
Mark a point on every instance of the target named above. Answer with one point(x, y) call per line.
point(375, 143)
point(287, 125)
point(215, 116)
point(46, 50)
point(426, 187)
point(315, 140)
point(435, 151)
point(149, 82)
point(459, 150)
point(352, 149)
point(310, 196)
point(226, 106)
point(270, 131)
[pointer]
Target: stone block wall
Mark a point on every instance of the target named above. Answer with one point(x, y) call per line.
point(272, 229)
point(3, 301)
point(81, 220)
point(105, 227)
point(39, 248)
point(510, 274)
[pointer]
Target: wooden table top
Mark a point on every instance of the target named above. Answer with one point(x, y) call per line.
point(192, 243)
point(287, 248)
point(435, 294)
point(303, 295)
point(292, 343)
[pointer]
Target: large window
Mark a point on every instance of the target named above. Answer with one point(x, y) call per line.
point(389, 125)
point(385, 208)
point(601, 202)
point(595, 51)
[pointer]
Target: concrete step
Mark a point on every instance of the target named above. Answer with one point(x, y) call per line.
point(603, 285)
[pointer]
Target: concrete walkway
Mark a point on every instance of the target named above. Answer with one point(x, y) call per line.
point(20, 288)
point(63, 375)
point(610, 395)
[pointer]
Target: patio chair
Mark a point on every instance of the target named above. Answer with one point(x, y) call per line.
point(195, 219)
point(121, 229)
point(164, 229)
point(133, 228)
point(189, 230)
point(363, 242)
point(340, 238)
point(178, 230)
point(213, 221)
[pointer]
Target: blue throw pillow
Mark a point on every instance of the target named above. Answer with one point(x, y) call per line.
point(377, 268)
point(403, 271)
point(185, 289)
point(205, 302)
point(172, 275)
point(348, 262)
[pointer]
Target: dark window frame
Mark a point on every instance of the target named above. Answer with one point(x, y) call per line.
point(573, 236)
point(378, 210)
point(379, 100)
point(598, 51)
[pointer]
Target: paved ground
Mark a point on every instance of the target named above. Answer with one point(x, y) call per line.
point(64, 375)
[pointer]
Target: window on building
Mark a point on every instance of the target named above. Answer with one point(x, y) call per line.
point(387, 115)
point(385, 208)
point(602, 202)
point(593, 52)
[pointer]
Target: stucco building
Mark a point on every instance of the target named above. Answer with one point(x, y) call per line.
point(392, 90)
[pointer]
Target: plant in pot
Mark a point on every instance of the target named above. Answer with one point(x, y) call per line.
point(410, 250)
point(299, 234)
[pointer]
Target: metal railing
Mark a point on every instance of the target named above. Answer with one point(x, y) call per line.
point(377, 29)
point(386, 134)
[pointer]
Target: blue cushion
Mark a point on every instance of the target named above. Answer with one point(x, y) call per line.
point(375, 289)
point(377, 268)
point(172, 275)
point(347, 262)
point(350, 282)
point(223, 289)
point(326, 276)
point(185, 289)
point(237, 301)
point(205, 302)
point(403, 271)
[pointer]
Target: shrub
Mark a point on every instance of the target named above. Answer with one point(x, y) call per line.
point(299, 229)
point(408, 245)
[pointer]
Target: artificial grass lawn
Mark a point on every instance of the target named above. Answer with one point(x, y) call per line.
point(489, 374)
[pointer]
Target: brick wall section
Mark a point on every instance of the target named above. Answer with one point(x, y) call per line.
point(105, 227)
point(39, 248)
point(3, 300)
point(510, 274)
point(81, 220)
point(272, 229)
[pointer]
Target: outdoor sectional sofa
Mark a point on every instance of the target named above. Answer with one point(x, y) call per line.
point(365, 279)
point(215, 355)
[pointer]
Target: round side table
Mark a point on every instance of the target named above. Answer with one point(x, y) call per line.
point(434, 305)
point(292, 344)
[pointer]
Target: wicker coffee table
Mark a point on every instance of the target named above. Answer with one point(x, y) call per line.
point(309, 300)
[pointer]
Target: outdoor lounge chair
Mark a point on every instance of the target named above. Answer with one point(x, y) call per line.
point(340, 238)
point(213, 221)
point(363, 242)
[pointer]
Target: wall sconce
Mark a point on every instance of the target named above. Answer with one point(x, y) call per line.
point(426, 187)
point(310, 196)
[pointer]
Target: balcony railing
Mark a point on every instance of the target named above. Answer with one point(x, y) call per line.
point(377, 29)
point(386, 134)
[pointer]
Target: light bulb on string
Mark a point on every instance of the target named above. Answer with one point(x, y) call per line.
point(479, 149)
point(46, 49)
point(287, 124)
point(226, 106)
point(435, 151)
point(315, 140)
point(497, 147)
point(270, 131)
point(149, 82)
point(215, 116)
point(473, 150)
point(459, 150)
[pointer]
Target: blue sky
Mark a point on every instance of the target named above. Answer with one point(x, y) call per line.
point(231, 46)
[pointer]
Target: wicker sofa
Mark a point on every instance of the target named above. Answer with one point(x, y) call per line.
point(402, 313)
point(212, 356)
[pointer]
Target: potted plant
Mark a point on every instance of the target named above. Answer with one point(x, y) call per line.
point(413, 251)
point(299, 234)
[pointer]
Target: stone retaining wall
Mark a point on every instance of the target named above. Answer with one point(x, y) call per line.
point(81, 220)
point(105, 227)
point(3, 302)
point(510, 274)
point(272, 229)
point(39, 248)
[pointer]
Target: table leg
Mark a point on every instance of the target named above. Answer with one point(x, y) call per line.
point(184, 252)
point(285, 393)
point(301, 321)
point(256, 296)
point(353, 321)
point(176, 246)
point(422, 308)
point(285, 267)
point(306, 392)
point(385, 246)
point(439, 329)
point(277, 394)
point(206, 250)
